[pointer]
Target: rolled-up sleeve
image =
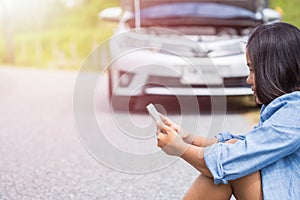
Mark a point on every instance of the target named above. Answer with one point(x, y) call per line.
point(225, 136)
point(261, 147)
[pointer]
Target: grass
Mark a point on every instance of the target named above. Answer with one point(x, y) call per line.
point(289, 9)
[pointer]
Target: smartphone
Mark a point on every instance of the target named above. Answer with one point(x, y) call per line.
point(154, 113)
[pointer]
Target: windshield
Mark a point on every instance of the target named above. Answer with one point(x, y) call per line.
point(196, 13)
point(196, 9)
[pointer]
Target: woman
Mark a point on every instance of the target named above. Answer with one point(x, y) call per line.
point(265, 162)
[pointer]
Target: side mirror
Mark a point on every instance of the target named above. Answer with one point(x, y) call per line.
point(271, 15)
point(111, 14)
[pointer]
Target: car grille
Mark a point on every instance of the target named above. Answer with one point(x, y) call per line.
point(236, 82)
point(175, 82)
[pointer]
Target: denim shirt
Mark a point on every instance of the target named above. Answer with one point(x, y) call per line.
point(273, 147)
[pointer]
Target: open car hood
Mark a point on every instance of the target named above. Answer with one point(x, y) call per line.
point(252, 5)
point(168, 13)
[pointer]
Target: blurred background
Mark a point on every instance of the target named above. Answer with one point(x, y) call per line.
point(59, 34)
point(51, 33)
point(42, 45)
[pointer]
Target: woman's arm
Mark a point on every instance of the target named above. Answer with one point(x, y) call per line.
point(187, 137)
point(201, 141)
point(194, 155)
point(172, 143)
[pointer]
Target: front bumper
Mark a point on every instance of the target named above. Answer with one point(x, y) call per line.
point(167, 86)
point(176, 77)
point(234, 91)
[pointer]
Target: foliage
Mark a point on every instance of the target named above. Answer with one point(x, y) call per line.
point(59, 48)
point(83, 16)
point(289, 9)
point(62, 37)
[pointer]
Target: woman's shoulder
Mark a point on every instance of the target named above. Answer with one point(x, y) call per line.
point(284, 107)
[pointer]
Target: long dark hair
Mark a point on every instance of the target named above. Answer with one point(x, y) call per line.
point(274, 51)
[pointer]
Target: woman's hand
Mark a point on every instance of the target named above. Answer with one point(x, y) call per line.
point(187, 137)
point(169, 123)
point(170, 141)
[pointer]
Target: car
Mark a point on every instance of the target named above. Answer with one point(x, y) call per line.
point(181, 48)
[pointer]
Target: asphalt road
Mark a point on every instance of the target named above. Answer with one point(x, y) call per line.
point(48, 150)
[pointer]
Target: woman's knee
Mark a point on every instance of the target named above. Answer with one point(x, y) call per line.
point(248, 187)
point(204, 188)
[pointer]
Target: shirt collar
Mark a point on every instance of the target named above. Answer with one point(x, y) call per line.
point(268, 110)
